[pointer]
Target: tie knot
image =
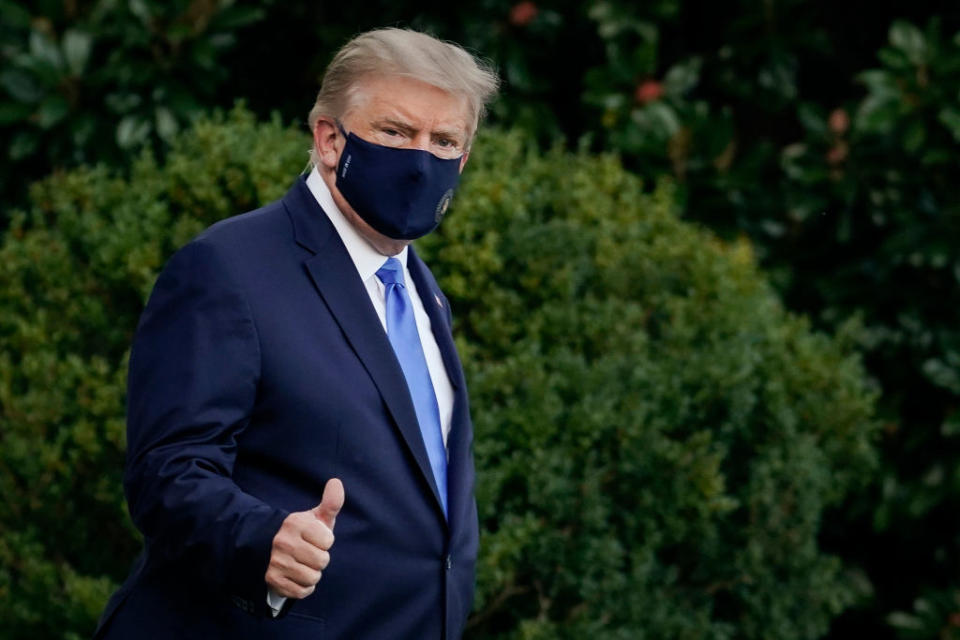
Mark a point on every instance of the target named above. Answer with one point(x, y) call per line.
point(391, 272)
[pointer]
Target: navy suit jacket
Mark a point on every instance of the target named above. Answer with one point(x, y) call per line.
point(259, 371)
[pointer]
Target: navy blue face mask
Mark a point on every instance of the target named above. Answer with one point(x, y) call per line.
point(402, 193)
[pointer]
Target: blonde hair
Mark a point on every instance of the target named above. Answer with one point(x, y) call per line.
point(407, 53)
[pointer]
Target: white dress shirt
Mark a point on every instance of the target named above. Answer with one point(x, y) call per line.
point(368, 260)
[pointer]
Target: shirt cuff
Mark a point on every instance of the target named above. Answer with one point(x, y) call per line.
point(275, 601)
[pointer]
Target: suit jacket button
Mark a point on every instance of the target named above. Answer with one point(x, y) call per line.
point(448, 563)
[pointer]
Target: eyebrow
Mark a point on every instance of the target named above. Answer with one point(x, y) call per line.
point(396, 124)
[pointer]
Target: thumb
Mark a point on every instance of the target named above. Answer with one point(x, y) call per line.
point(331, 503)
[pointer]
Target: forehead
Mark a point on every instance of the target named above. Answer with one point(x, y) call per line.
point(408, 100)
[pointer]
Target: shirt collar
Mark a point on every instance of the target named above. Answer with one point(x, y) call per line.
point(365, 258)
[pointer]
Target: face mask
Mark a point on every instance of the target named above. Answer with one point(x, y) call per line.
point(402, 193)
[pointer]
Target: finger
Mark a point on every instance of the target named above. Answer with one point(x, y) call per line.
point(311, 556)
point(299, 574)
point(289, 589)
point(331, 503)
point(318, 535)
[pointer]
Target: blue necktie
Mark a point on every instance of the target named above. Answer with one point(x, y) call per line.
point(405, 339)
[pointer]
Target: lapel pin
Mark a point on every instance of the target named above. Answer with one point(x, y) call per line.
point(439, 301)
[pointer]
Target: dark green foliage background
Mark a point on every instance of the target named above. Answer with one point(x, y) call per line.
point(76, 270)
point(826, 133)
point(657, 438)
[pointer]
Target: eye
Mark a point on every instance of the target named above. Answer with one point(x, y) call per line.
point(446, 147)
point(390, 132)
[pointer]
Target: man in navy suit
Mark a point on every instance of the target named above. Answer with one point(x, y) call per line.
point(294, 374)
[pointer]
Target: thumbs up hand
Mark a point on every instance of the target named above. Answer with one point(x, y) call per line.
point(301, 548)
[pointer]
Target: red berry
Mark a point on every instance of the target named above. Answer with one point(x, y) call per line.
point(648, 91)
point(838, 122)
point(523, 13)
point(838, 153)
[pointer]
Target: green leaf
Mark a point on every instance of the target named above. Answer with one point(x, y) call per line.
point(942, 374)
point(876, 114)
point(14, 15)
point(909, 39)
point(792, 160)
point(879, 82)
point(951, 426)
point(904, 621)
point(663, 117)
point(76, 50)
point(811, 117)
point(140, 9)
point(21, 85)
point(950, 118)
point(779, 76)
point(122, 102)
point(915, 136)
point(83, 126)
point(894, 59)
point(24, 143)
point(52, 110)
point(682, 77)
point(236, 16)
point(166, 124)
point(132, 131)
point(222, 40)
point(45, 49)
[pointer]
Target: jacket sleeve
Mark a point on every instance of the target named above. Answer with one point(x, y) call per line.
point(192, 384)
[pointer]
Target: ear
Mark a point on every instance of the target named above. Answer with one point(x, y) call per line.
point(328, 142)
point(463, 160)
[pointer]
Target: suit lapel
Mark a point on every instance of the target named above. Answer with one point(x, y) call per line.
point(336, 279)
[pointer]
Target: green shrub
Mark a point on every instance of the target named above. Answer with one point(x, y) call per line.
point(871, 192)
point(75, 272)
point(656, 439)
point(92, 81)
